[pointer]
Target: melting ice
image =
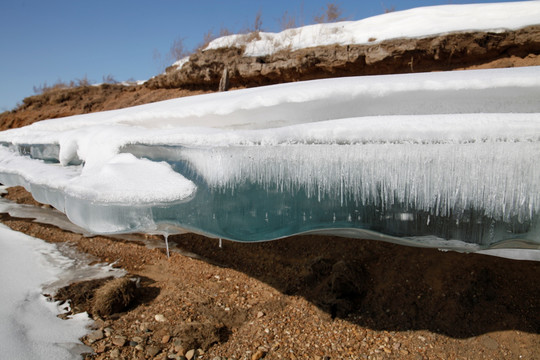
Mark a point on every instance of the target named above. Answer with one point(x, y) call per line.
point(440, 159)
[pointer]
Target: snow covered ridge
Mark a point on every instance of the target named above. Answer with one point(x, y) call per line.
point(418, 22)
point(445, 160)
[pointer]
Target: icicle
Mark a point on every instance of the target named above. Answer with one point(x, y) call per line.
point(166, 236)
point(220, 243)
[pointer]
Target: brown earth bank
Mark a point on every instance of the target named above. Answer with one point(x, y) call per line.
point(436, 53)
point(304, 297)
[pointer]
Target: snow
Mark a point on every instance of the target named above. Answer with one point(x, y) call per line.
point(29, 327)
point(413, 23)
point(448, 157)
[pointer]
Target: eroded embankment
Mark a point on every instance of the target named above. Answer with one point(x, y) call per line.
point(435, 53)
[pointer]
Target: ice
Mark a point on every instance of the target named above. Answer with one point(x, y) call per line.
point(418, 22)
point(443, 160)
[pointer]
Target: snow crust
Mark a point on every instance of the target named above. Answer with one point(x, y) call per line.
point(29, 328)
point(410, 154)
point(413, 23)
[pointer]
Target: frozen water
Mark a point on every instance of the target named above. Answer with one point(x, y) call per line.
point(440, 159)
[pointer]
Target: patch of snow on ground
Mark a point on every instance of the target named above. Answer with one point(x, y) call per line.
point(418, 22)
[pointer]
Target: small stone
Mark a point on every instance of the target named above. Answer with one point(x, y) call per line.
point(133, 343)
point(115, 353)
point(403, 352)
point(387, 350)
point(119, 340)
point(137, 339)
point(160, 318)
point(396, 346)
point(165, 339)
point(190, 354)
point(217, 358)
point(258, 355)
point(260, 314)
point(152, 351)
point(95, 336)
point(178, 347)
point(139, 347)
point(144, 327)
point(107, 331)
point(101, 348)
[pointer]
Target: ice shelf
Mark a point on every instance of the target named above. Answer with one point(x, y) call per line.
point(443, 160)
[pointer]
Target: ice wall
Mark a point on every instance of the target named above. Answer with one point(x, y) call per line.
point(440, 159)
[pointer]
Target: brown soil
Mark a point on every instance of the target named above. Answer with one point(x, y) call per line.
point(309, 297)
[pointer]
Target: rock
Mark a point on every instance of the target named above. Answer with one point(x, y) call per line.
point(139, 347)
point(260, 314)
point(160, 318)
point(115, 353)
point(107, 331)
point(144, 327)
point(165, 339)
point(138, 339)
point(152, 351)
point(101, 348)
point(190, 354)
point(133, 343)
point(119, 340)
point(178, 347)
point(95, 336)
point(259, 354)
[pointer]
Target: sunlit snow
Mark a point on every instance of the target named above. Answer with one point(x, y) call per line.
point(418, 22)
point(437, 159)
point(29, 327)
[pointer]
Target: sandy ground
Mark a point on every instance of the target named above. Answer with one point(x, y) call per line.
point(307, 297)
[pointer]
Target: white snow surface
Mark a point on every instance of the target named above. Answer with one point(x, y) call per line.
point(29, 327)
point(452, 108)
point(413, 23)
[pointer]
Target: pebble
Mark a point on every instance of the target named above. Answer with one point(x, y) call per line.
point(160, 318)
point(260, 314)
point(119, 340)
point(95, 336)
point(258, 355)
point(115, 353)
point(190, 354)
point(178, 348)
point(133, 343)
point(152, 351)
point(165, 339)
point(107, 331)
point(139, 347)
point(137, 339)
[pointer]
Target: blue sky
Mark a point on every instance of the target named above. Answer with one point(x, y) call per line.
point(46, 41)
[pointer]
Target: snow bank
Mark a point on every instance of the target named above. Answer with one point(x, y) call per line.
point(418, 22)
point(29, 327)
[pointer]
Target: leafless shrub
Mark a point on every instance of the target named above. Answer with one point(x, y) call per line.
point(332, 13)
point(287, 21)
point(178, 50)
point(59, 84)
point(109, 79)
